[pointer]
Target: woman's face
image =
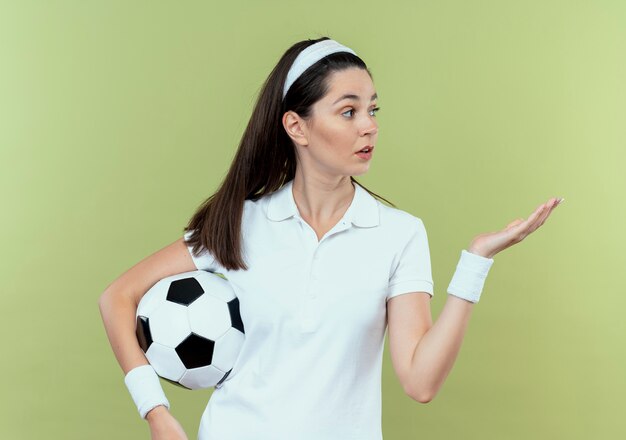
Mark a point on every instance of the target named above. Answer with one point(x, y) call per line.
point(342, 123)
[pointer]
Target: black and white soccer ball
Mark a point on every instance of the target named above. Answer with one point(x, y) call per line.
point(190, 329)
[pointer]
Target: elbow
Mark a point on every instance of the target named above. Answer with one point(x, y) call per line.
point(105, 300)
point(114, 301)
point(424, 398)
point(102, 299)
point(421, 396)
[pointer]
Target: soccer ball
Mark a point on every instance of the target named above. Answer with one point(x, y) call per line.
point(190, 329)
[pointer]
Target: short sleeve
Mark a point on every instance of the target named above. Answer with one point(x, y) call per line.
point(205, 261)
point(411, 269)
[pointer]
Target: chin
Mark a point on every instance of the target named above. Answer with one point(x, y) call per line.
point(361, 172)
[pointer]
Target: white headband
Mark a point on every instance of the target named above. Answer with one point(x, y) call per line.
point(310, 56)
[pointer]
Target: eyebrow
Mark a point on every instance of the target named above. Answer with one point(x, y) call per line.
point(354, 97)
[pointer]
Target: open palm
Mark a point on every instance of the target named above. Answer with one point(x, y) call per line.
point(490, 243)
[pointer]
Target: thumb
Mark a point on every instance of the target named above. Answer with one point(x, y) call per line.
point(514, 223)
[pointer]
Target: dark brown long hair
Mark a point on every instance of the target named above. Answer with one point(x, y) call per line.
point(266, 158)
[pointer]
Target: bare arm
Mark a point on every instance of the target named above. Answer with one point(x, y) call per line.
point(118, 303)
point(118, 309)
point(423, 353)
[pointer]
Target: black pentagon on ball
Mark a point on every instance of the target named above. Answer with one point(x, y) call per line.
point(235, 316)
point(143, 333)
point(195, 351)
point(184, 291)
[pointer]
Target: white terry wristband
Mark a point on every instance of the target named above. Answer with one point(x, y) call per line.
point(469, 278)
point(145, 389)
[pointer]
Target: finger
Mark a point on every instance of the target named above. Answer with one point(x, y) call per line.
point(532, 218)
point(536, 219)
point(533, 221)
point(549, 206)
point(542, 217)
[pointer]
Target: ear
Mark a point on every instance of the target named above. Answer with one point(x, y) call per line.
point(295, 127)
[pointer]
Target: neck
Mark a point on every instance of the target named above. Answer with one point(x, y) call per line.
point(322, 201)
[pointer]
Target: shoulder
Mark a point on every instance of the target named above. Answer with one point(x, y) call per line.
point(395, 219)
point(397, 228)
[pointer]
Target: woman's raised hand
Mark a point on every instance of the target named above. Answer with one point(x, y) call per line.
point(490, 243)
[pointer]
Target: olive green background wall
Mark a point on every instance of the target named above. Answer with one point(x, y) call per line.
point(117, 119)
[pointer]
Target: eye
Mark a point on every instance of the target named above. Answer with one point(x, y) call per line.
point(372, 111)
point(351, 110)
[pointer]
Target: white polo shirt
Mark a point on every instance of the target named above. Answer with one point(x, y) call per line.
point(315, 318)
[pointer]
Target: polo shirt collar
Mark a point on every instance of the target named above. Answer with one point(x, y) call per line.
point(363, 211)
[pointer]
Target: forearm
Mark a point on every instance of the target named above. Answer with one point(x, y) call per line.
point(438, 348)
point(118, 315)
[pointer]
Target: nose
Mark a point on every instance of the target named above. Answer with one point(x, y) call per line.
point(370, 126)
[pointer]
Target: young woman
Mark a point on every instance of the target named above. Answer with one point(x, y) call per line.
point(321, 267)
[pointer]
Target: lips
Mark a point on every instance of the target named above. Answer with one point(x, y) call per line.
point(367, 147)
